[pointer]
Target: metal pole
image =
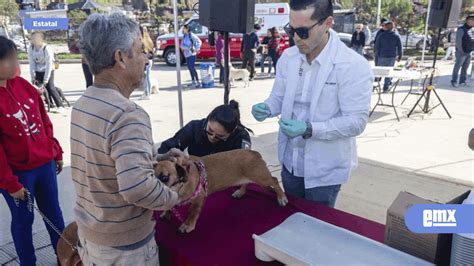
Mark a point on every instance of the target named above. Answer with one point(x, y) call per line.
point(178, 63)
point(379, 11)
point(426, 33)
point(226, 68)
point(424, 43)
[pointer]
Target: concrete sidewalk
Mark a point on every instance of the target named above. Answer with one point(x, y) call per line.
point(426, 154)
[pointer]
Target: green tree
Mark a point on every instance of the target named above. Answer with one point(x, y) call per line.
point(8, 11)
point(76, 17)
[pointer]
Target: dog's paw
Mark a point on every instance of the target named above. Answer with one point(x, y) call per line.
point(184, 228)
point(166, 216)
point(283, 201)
point(238, 194)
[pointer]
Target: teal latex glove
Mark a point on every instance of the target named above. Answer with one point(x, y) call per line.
point(292, 128)
point(261, 111)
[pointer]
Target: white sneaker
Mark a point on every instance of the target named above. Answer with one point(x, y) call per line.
point(60, 110)
point(145, 98)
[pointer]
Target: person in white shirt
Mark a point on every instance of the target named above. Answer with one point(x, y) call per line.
point(322, 92)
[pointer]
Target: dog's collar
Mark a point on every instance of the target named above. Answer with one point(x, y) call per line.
point(202, 185)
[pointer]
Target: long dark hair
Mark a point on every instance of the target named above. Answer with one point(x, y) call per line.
point(228, 116)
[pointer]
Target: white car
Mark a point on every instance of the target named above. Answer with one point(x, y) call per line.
point(414, 40)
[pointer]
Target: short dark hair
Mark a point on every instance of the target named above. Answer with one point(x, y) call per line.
point(322, 8)
point(383, 20)
point(7, 47)
point(257, 27)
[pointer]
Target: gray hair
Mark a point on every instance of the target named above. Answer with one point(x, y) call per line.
point(102, 35)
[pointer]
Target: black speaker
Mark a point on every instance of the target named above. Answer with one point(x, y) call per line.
point(237, 16)
point(444, 13)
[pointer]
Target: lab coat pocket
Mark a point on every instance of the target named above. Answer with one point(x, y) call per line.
point(328, 102)
point(334, 158)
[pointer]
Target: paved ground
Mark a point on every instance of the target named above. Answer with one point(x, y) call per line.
point(425, 154)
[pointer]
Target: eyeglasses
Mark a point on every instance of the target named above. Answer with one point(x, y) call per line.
point(303, 32)
point(219, 138)
point(211, 133)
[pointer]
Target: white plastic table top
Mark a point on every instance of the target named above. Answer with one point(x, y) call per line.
point(305, 240)
point(403, 74)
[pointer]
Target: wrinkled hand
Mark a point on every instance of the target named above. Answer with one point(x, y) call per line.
point(172, 155)
point(20, 194)
point(261, 111)
point(292, 128)
point(59, 166)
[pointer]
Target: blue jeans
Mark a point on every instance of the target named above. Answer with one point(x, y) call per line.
point(42, 184)
point(148, 78)
point(359, 49)
point(386, 61)
point(462, 62)
point(221, 73)
point(191, 62)
point(262, 63)
point(294, 186)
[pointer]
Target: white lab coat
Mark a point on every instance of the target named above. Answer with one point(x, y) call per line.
point(339, 111)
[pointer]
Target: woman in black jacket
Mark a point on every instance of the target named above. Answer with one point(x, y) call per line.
point(358, 40)
point(220, 131)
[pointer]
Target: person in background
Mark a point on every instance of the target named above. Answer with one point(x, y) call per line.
point(87, 73)
point(264, 52)
point(191, 45)
point(73, 49)
point(220, 131)
point(358, 39)
point(274, 47)
point(451, 36)
point(30, 156)
point(219, 36)
point(149, 50)
point(388, 50)
point(250, 43)
point(464, 47)
point(380, 31)
point(41, 60)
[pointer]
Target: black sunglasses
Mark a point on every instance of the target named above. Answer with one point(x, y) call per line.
point(303, 32)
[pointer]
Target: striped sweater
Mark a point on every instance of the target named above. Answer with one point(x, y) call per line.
point(112, 169)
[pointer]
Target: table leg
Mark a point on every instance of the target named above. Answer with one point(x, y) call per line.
point(379, 100)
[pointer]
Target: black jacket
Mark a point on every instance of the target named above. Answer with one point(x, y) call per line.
point(194, 137)
point(388, 45)
point(358, 42)
point(467, 38)
point(249, 42)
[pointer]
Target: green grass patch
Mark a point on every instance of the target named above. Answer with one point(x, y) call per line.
point(62, 56)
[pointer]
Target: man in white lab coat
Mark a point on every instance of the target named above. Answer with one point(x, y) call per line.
point(322, 92)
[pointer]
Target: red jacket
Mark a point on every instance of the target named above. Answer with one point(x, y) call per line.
point(26, 133)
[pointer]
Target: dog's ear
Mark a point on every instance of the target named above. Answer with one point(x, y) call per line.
point(181, 172)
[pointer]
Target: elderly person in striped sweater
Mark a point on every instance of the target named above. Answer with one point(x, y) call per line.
point(112, 153)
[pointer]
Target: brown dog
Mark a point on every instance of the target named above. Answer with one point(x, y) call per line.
point(66, 255)
point(224, 170)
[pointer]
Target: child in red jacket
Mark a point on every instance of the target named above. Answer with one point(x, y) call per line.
point(30, 156)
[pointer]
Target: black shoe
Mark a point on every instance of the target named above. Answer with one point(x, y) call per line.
point(454, 84)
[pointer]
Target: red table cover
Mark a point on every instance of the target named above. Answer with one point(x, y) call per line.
point(223, 234)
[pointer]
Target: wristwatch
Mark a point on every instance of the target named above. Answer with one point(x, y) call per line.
point(309, 131)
